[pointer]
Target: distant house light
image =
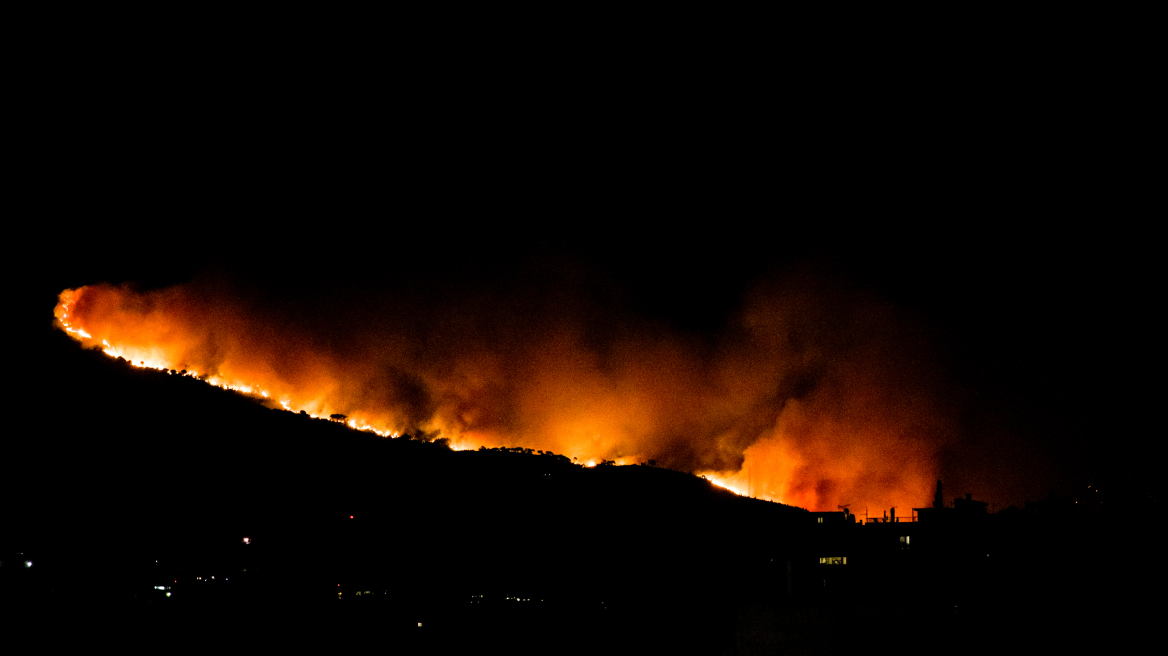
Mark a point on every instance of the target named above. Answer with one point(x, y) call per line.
point(904, 541)
point(820, 520)
point(833, 560)
point(247, 540)
point(28, 563)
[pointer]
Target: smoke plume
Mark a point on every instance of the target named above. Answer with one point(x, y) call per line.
point(811, 393)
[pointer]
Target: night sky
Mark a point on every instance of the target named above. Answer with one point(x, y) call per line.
point(980, 206)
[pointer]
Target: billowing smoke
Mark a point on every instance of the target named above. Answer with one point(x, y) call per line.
point(811, 393)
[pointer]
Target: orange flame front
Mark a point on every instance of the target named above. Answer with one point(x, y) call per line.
point(791, 403)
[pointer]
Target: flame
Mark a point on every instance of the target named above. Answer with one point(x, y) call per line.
point(792, 404)
point(157, 357)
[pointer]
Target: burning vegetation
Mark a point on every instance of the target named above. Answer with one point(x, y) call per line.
point(811, 395)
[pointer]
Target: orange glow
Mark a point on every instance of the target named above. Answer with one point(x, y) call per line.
point(145, 341)
point(792, 404)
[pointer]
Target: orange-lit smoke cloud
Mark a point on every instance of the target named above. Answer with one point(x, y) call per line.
point(812, 395)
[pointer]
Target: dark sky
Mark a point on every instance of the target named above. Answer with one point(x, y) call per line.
point(993, 191)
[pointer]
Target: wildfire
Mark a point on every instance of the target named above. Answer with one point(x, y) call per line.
point(727, 483)
point(777, 411)
point(157, 358)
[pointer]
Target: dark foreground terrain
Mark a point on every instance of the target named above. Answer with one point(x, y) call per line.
point(150, 509)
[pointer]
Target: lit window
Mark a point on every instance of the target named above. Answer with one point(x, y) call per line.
point(904, 541)
point(820, 520)
point(833, 560)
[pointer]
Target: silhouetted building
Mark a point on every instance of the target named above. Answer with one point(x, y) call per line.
point(968, 506)
point(830, 517)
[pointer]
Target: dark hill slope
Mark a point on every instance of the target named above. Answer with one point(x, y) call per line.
point(111, 468)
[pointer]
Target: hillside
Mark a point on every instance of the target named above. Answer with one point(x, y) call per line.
point(155, 478)
point(132, 491)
